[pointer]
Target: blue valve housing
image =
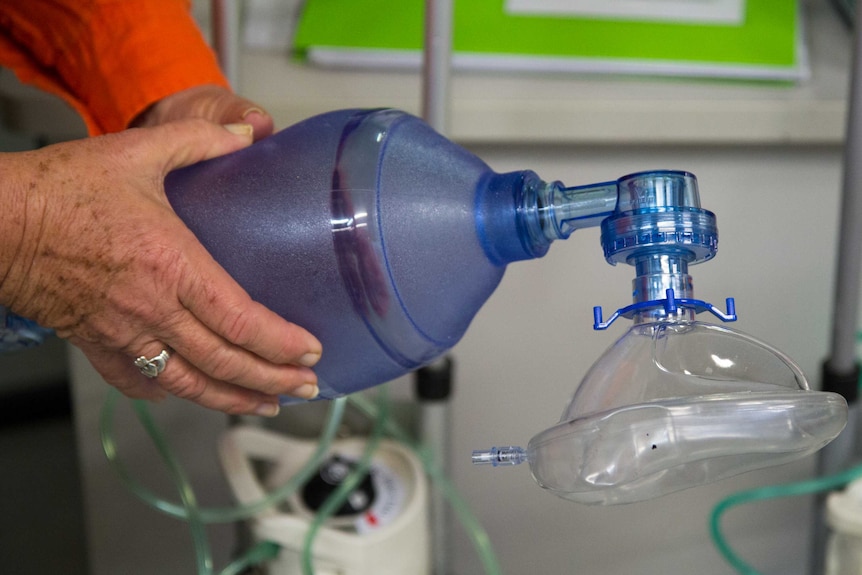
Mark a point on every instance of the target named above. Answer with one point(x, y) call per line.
point(659, 212)
point(659, 227)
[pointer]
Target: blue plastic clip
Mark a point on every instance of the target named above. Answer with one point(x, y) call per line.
point(671, 304)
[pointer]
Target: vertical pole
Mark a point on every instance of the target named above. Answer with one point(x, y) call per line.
point(437, 57)
point(434, 400)
point(841, 369)
point(844, 327)
point(225, 39)
point(434, 389)
point(225, 15)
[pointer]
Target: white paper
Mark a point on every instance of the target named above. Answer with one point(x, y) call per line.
point(725, 12)
point(357, 58)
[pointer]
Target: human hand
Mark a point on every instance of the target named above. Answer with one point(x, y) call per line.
point(90, 247)
point(209, 102)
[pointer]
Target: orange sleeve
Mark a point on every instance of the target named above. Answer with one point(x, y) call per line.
point(109, 59)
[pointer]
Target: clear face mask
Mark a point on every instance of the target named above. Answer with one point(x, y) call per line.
point(673, 405)
point(675, 402)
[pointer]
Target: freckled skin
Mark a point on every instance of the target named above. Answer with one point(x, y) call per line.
point(91, 248)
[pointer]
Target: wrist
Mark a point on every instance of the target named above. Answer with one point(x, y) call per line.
point(21, 222)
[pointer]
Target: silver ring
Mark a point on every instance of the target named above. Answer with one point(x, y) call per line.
point(153, 367)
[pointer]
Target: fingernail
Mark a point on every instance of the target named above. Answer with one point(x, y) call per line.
point(251, 111)
point(309, 359)
point(240, 129)
point(307, 391)
point(267, 409)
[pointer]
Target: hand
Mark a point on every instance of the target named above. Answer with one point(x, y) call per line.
point(90, 246)
point(211, 103)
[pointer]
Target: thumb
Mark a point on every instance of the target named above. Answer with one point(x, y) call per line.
point(187, 142)
point(227, 107)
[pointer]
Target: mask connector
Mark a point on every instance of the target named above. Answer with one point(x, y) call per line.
point(497, 456)
point(671, 306)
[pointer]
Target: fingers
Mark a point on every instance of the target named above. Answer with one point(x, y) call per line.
point(259, 120)
point(224, 337)
point(227, 351)
point(181, 379)
point(123, 374)
point(246, 345)
point(229, 108)
point(220, 360)
point(184, 380)
point(187, 142)
point(212, 103)
point(223, 306)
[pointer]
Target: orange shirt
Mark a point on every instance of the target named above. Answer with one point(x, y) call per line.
point(109, 59)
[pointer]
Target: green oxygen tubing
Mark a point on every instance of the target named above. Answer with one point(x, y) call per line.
point(808, 487)
point(198, 517)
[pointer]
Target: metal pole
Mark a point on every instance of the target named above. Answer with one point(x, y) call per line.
point(434, 391)
point(843, 357)
point(225, 15)
point(225, 39)
point(434, 411)
point(437, 58)
point(841, 369)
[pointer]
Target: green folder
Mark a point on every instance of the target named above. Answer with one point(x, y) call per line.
point(767, 45)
